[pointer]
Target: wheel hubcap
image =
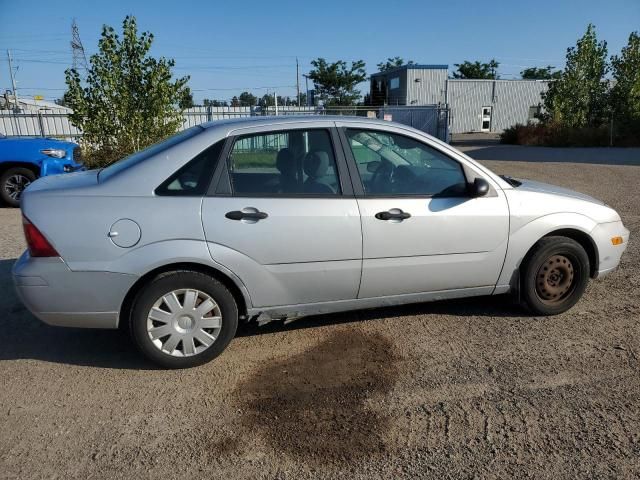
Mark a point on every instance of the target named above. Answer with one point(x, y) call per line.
point(184, 322)
point(15, 185)
point(554, 280)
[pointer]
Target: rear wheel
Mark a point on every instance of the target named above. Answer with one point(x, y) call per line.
point(182, 319)
point(13, 182)
point(555, 275)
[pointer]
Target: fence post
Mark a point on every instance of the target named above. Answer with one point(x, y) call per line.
point(611, 132)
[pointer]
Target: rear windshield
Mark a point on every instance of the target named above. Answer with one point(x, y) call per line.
point(148, 152)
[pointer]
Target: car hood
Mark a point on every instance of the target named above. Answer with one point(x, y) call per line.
point(539, 187)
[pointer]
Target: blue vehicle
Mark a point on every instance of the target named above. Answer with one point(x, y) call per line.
point(22, 160)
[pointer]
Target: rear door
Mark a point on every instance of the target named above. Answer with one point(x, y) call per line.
point(422, 232)
point(283, 216)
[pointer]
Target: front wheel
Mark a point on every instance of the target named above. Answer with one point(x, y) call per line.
point(554, 276)
point(183, 319)
point(12, 184)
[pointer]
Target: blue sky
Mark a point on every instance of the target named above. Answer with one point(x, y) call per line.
point(227, 47)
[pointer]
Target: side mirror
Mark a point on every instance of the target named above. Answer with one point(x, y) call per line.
point(479, 187)
point(372, 167)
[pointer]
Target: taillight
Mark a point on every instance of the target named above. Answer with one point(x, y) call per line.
point(38, 245)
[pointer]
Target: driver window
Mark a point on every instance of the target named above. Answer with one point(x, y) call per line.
point(392, 164)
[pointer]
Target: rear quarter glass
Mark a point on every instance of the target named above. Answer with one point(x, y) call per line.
point(148, 152)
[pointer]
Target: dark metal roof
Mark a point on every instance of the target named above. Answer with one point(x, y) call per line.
point(415, 66)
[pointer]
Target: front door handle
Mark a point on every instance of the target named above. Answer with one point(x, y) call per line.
point(393, 214)
point(240, 215)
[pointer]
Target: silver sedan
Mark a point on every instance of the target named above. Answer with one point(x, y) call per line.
point(273, 218)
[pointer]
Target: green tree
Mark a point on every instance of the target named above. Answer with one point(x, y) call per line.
point(392, 63)
point(215, 103)
point(335, 83)
point(625, 93)
point(477, 70)
point(579, 97)
point(541, 73)
point(247, 99)
point(186, 100)
point(129, 100)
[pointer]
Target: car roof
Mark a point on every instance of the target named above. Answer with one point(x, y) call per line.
point(280, 119)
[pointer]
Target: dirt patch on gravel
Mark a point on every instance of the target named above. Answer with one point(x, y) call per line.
point(320, 403)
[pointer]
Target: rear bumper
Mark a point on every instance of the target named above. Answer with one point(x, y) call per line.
point(61, 297)
point(609, 254)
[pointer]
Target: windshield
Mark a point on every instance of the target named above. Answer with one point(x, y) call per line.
point(148, 152)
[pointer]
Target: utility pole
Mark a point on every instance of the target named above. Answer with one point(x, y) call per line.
point(77, 50)
point(306, 79)
point(275, 99)
point(13, 80)
point(297, 81)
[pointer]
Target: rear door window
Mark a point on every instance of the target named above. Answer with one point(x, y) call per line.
point(284, 163)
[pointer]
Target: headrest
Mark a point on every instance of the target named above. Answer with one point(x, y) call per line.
point(285, 161)
point(316, 164)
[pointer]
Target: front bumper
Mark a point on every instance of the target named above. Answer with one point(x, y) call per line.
point(609, 254)
point(62, 297)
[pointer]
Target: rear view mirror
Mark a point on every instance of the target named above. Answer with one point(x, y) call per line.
point(479, 187)
point(372, 167)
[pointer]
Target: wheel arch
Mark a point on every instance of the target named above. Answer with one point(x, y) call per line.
point(583, 238)
point(239, 295)
point(4, 166)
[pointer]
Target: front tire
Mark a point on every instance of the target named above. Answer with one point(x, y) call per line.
point(183, 318)
point(554, 276)
point(12, 184)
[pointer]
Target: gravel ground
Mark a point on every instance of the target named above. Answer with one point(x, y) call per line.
point(465, 389)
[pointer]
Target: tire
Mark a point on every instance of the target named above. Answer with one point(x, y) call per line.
point(554, 276)
point(178, 327)
point(12, 182)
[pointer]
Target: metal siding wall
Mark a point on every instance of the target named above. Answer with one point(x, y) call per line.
point(56, 123)
point(510, 104)
point(429, 90)
point(513, 100)
point(466, 99)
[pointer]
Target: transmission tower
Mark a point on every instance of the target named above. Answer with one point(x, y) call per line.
point(80, 63)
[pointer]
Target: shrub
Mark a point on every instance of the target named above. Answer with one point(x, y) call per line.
point(554, 134)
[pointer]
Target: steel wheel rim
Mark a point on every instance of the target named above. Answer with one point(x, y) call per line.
point(15, 185)
point(555, 279)
point(184, 322)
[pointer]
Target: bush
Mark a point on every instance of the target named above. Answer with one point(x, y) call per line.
point(556, 135)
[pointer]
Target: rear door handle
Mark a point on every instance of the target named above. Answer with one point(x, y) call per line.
point(240, 215)
point(393, 214)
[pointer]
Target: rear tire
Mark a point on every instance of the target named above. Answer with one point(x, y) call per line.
point(13, 182)
point(554, 276)
point(183, 318)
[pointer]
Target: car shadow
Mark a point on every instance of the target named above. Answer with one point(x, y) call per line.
point(23, 336)
point(521, 153)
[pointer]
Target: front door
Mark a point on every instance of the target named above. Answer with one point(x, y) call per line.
point(290, 229)
point(421, 231)
point(486, 119)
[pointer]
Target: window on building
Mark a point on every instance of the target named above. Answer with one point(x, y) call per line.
point(534, 111)
point(394, 83)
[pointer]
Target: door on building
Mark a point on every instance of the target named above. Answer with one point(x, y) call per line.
point(486, 119)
